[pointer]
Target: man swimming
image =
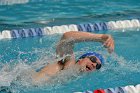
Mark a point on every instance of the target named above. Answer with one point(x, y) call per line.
point(89, 61)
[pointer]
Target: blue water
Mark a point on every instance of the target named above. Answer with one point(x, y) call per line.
point(121, 68)
point(57, 12)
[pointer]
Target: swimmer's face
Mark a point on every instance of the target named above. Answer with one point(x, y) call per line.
point(89, 63)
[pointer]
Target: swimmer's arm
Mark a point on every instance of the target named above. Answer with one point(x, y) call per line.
point(66, 44)
point(68, 39)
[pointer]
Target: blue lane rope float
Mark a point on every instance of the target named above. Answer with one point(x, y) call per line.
point(104, 25)
point(31, 32)
point(120, 90)
point(110, 90)
point(96, 27)
point(22, 33)
point(81, 27)
point(39, 31)
point(89, 27)
point(14, 34)
point(86, 27)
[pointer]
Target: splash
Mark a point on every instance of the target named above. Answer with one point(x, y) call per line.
point(18, 76)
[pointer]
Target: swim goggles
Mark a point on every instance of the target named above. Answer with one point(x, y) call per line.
point(94, 60)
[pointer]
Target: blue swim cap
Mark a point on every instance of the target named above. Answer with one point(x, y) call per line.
point(99, 56)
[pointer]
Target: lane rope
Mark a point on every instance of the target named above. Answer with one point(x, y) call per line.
point(86, 27)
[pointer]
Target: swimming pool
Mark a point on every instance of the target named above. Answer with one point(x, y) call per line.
point(121, 68)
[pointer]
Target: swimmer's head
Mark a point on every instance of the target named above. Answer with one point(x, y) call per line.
point(88, 54)
point(91, 61)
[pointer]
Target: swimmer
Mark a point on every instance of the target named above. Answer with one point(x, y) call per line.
point(89, 61)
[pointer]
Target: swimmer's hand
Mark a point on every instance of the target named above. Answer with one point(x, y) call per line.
point(108, 43)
